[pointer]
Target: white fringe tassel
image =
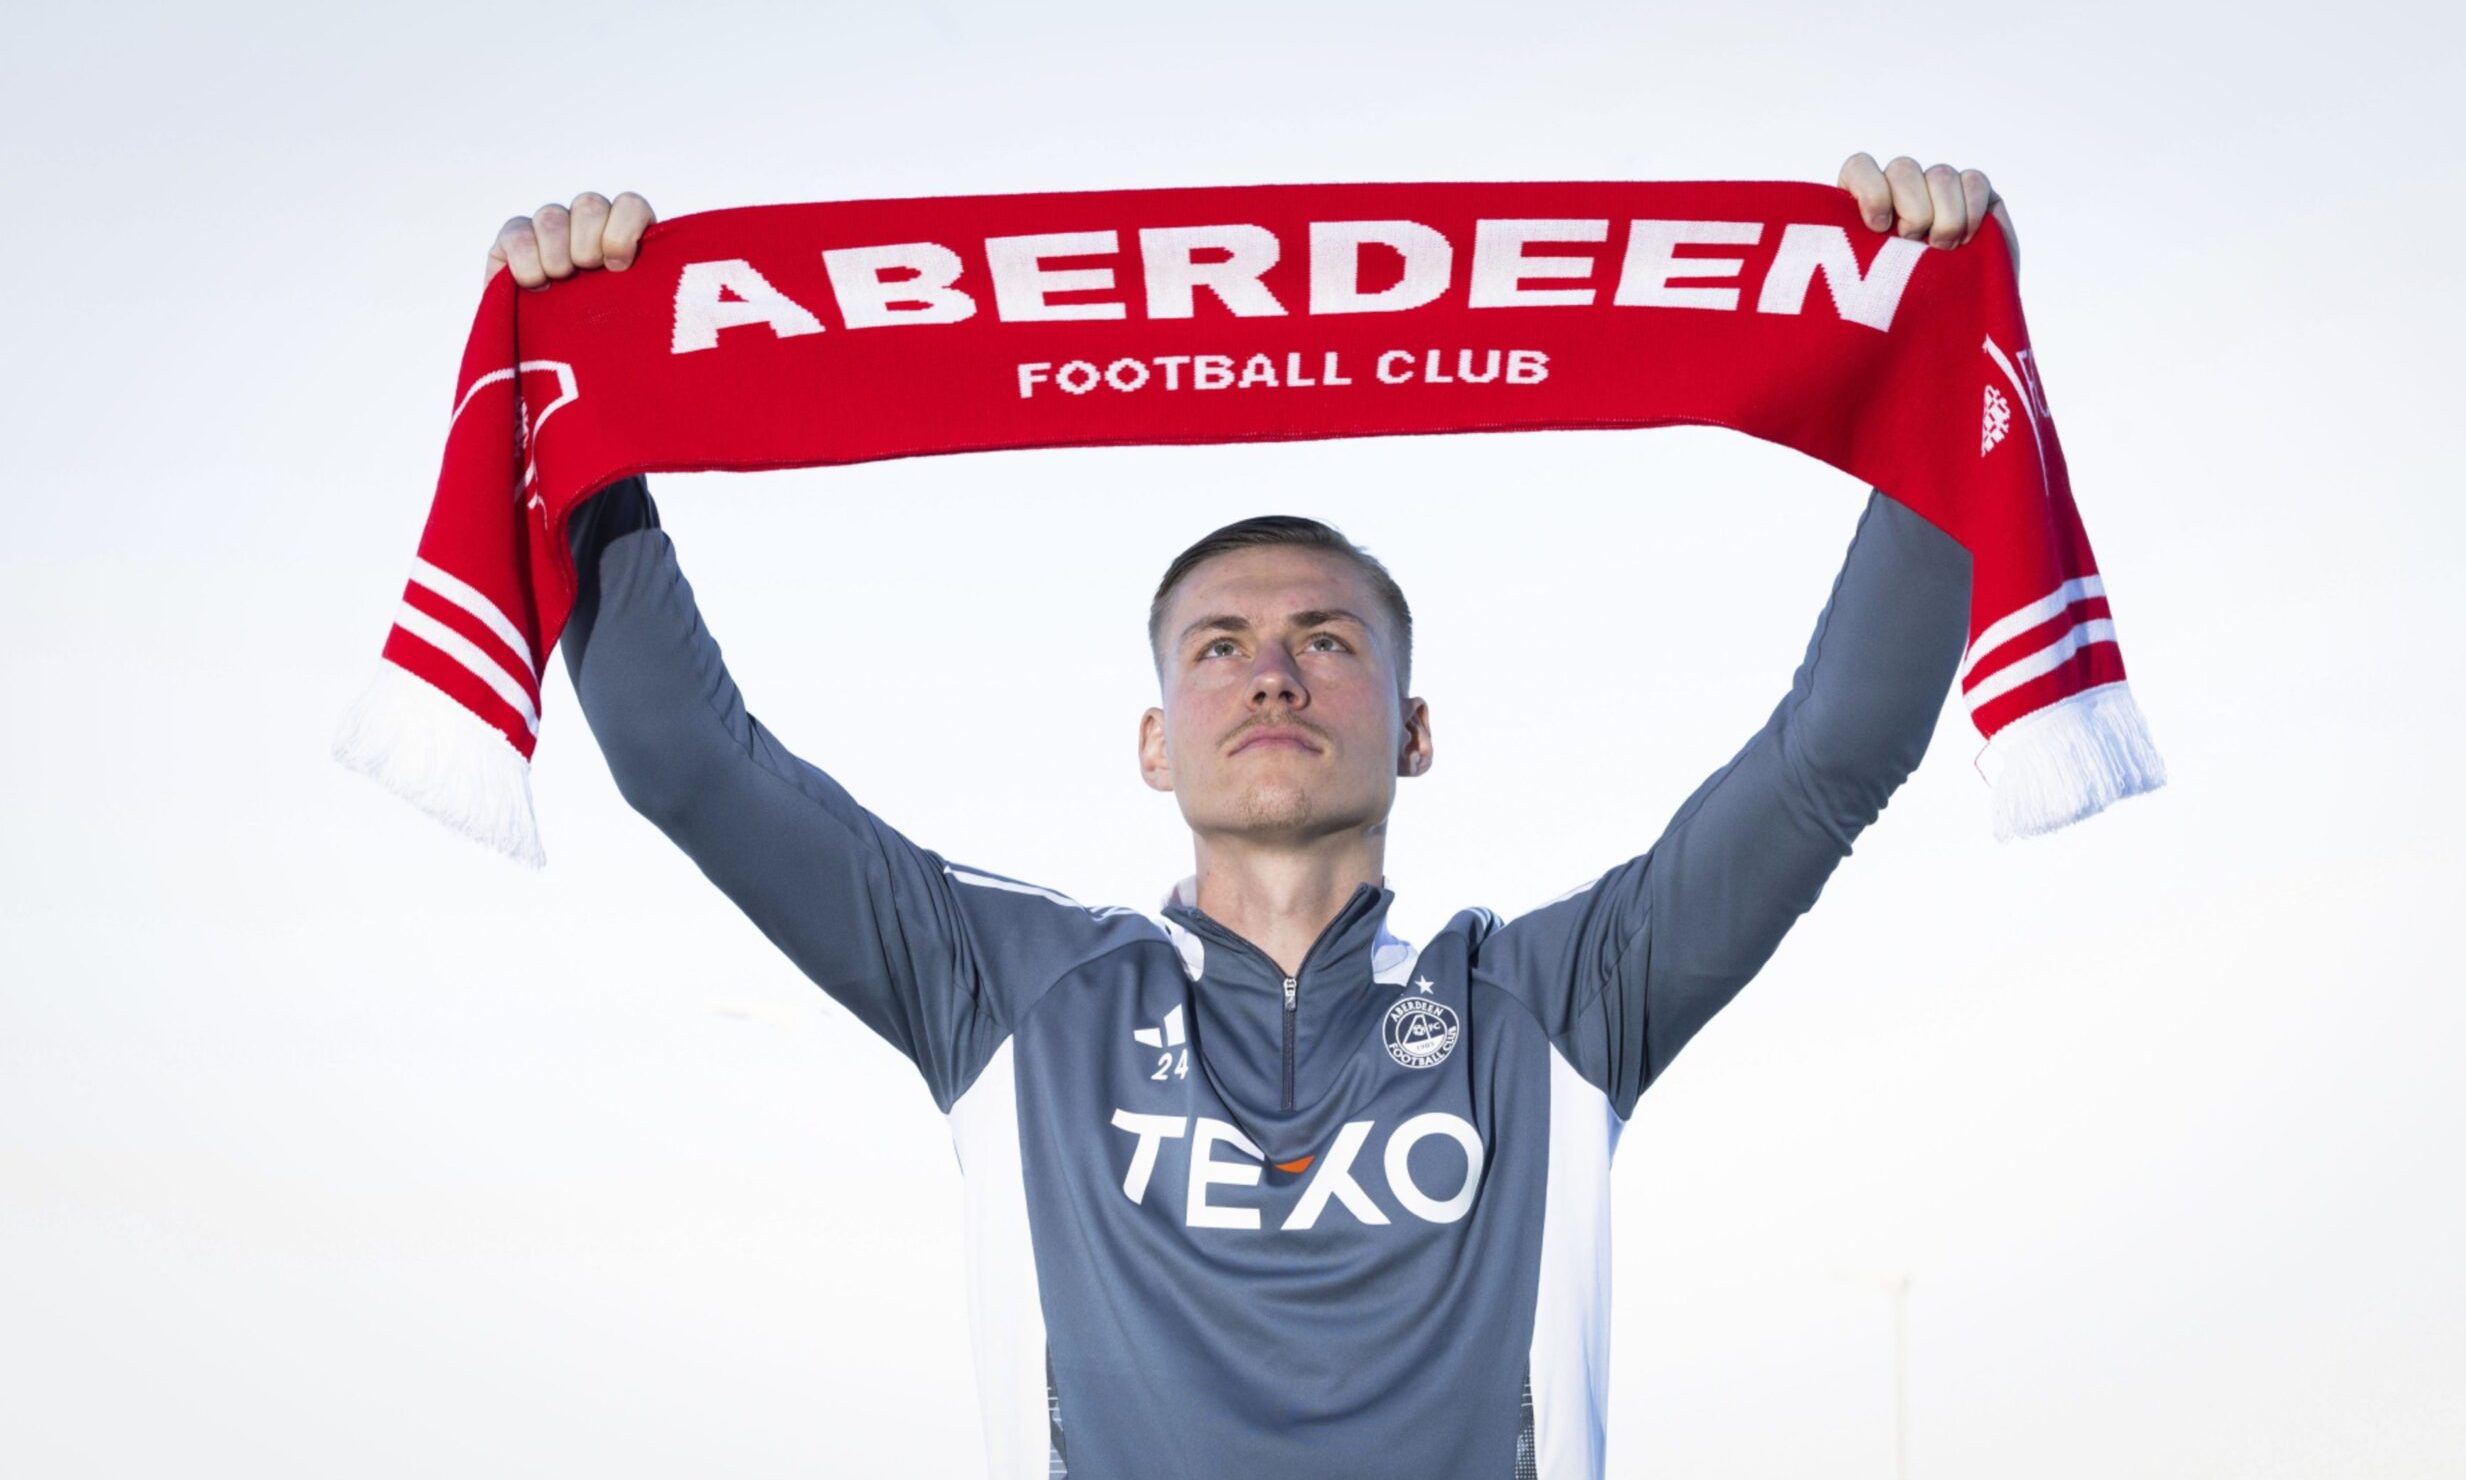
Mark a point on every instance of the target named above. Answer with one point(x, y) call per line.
point(2069, 761)
point(443, 759)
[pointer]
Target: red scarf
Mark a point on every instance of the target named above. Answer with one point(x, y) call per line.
point(799, 335)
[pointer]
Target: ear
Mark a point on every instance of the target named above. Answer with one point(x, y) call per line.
point(1419, 749)
point(1155, 766)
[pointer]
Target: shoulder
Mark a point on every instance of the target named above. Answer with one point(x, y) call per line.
point(1040, 935)
point(1602, 904)
point(1048, 913)
point(1557, 954)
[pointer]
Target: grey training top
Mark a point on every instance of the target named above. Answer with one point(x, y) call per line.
point(1222, 1223)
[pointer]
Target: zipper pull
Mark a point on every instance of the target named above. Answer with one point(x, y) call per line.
point(1289, 985)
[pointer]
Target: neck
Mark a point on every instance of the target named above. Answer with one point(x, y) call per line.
point(1280, 898)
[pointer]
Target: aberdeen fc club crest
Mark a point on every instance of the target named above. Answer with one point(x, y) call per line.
point(1420, 1033)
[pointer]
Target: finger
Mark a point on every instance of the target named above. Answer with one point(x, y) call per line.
point(520, 246)
point(588, 219)
point(628, 217)
point(1912, 204)
point(1976, 196)
point(1951, 224)
point(551, 227)
point(1863, 178)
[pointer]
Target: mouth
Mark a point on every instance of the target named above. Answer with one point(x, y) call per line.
point(1275, 738)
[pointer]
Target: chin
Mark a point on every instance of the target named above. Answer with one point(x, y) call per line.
point(1292, 813)
point(1274, 808)
point(1264, 811)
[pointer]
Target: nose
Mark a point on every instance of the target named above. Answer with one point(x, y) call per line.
point(1274, 679)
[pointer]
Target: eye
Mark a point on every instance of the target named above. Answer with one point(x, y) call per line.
point(1334, 643)
point(1211, 650)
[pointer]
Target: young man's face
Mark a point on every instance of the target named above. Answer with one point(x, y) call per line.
point(1281, 719)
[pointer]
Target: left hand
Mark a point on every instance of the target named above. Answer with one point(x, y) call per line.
point(1940, 204)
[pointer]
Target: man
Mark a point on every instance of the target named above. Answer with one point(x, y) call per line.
point(1254, 1187)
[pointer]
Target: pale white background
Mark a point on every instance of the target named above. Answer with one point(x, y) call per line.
point(332, 1146)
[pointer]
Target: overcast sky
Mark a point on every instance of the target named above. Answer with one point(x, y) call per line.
point(332, 1145)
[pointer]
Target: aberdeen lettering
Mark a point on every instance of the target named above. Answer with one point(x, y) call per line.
point(1332, 1179)
point(1079, 275)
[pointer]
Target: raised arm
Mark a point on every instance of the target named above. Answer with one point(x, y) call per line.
point(1624, 970)
point(871, 917)
point(1750, 850)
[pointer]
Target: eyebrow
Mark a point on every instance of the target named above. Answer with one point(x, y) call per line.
point(1228, 622)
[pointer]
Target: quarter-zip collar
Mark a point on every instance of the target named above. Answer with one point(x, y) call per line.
point(1280, 1050)
point(1358, 930)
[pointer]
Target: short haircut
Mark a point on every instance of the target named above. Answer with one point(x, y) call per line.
point(1307, 534)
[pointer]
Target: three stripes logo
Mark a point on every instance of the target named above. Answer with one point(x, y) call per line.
point(457, 621)
point(1998, 421)
point(1168, 1039)
point(2069, 625)
point(2020, 373)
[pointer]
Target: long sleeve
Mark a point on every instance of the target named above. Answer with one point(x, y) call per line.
point(872, 918)
point(1626, 970)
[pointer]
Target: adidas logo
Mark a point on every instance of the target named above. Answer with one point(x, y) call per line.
point(1998, 421)
point(1172, 1058)
point(1164, 1037)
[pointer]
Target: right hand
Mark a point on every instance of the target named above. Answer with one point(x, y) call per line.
point(554, 240)
point(1943, 206)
